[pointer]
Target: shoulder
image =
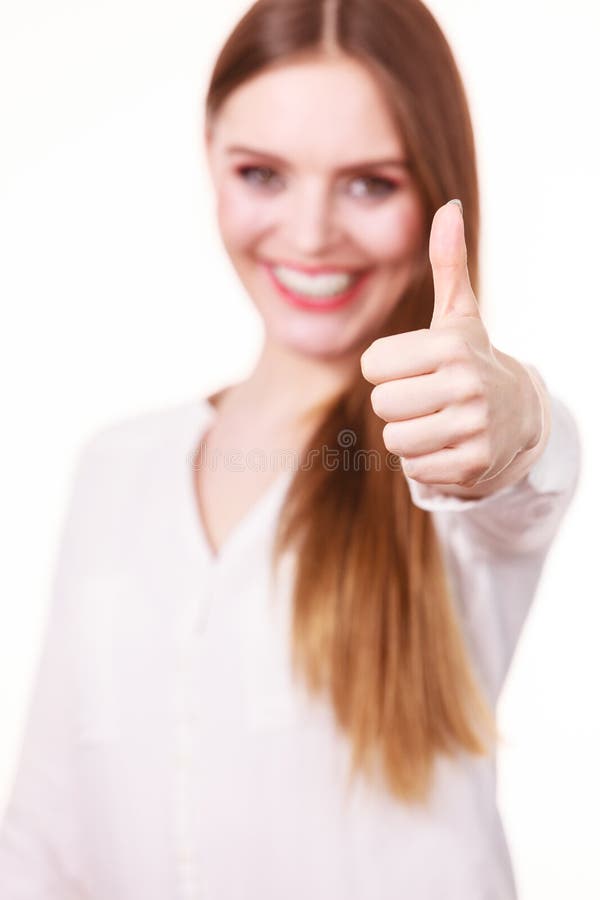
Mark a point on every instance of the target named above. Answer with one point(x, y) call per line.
point(122, 459)
point(155, 427)
point(121, 469)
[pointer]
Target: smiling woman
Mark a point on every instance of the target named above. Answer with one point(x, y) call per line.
point(293, 199)
point(289, 682)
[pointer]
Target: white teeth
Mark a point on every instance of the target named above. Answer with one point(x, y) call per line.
point(323, 285)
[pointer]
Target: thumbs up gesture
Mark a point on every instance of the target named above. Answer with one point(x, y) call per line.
point(457, 410)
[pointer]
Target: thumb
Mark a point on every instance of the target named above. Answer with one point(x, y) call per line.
point(453, 295)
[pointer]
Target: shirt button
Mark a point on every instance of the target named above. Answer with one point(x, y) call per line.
point(195, 714)
point(201, 618)
point(183, 759)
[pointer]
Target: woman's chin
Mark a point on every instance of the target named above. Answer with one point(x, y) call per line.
point(325, 342)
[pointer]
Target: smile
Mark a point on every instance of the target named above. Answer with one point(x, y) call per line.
point(324, 288)
point(321, 285)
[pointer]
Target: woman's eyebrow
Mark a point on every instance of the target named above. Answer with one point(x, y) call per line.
point(349, 167)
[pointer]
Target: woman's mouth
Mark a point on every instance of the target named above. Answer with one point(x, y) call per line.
point(323, 290)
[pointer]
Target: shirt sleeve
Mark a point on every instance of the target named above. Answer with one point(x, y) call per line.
point(523, 517)
point(495, 546)
point(40, 855)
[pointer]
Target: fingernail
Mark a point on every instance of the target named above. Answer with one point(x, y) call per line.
point(460, 206)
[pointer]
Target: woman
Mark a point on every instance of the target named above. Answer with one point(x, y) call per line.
point(268, 681)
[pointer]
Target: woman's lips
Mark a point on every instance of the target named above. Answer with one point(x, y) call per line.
point(313, 270)
point(317, 304)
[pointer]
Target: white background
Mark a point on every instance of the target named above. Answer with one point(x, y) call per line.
point(117, 298)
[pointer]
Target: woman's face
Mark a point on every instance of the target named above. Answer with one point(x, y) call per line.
point(316, 208)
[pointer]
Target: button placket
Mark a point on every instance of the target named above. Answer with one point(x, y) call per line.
point(204, 605)
point(192, 884)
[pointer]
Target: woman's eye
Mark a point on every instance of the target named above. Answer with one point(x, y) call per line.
point(372, 186)
point(257, 175)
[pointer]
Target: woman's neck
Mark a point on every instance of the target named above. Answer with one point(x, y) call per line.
point(285, 387)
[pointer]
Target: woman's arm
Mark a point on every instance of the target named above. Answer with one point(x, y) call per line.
point(469, 421)
point(40, 854)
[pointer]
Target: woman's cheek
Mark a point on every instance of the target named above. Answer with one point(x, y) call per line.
point(390, 233)
point(241, 217)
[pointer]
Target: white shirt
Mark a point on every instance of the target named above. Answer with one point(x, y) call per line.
point(168, 754)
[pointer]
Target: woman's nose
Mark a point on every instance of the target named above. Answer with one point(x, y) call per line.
point(310, 221)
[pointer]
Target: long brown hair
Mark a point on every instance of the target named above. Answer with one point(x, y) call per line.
point(374, 624)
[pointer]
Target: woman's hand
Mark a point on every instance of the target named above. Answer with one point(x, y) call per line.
point(458, 411)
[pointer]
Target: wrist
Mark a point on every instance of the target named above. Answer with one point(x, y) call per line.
point(533, 401)
point(537, 421)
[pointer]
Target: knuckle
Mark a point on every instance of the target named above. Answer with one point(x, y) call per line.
point(365, 365)
point(390, 439)
point(477, 466)
point(467, 383)
point(471, 477)
point(412, 468)
point(481, 418)
point(368, 360)
point(378, 399)
point(487, 452)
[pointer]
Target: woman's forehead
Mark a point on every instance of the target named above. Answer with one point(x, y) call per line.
point(333, 105)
